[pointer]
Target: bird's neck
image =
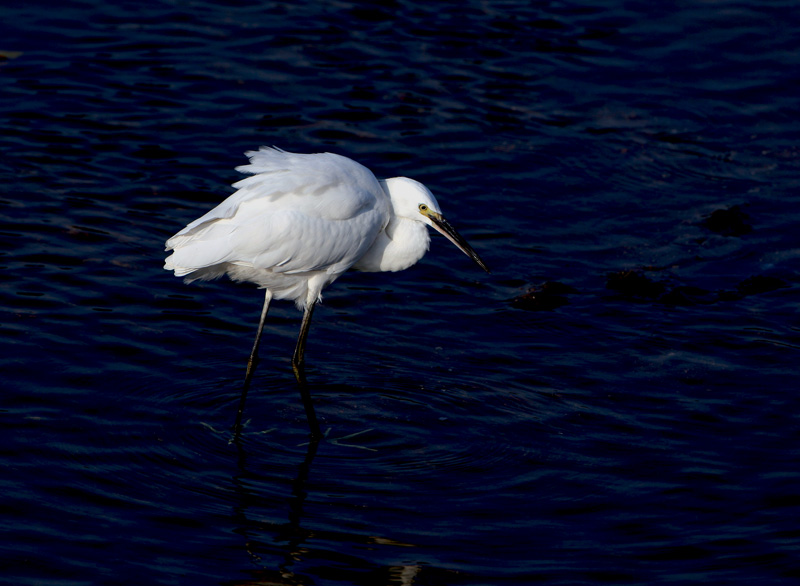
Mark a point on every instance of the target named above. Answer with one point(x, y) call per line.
point(401, 244)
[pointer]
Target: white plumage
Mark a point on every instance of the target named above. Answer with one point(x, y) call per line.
point(298, 222)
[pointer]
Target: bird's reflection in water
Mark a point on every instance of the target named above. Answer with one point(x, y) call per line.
point(296, 538)
point(291, 532)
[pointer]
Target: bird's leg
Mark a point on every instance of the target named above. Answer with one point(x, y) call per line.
point(252, 361)
point(298, 365)
point(298, 359)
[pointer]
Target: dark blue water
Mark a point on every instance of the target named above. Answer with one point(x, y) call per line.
point(616, 404)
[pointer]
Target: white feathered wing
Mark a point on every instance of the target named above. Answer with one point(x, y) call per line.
point(296, 224)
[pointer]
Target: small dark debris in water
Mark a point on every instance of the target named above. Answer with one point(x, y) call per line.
point(557, 288)
point(760, 284)
point(153, 152)
point(634, 283)
point(728, 222)
point(547, 297)
point(688, 295)
point(753, 286)
point(729, 296)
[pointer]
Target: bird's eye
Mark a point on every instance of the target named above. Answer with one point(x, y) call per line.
point(423, 207)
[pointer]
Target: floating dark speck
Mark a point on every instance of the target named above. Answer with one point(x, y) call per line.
point(688, 295)
point(153, 152)
point(760, 284)
point(547, 297)
point(635, 284)
point(728, 222)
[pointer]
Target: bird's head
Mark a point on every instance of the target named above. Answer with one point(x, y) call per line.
point(413, 201)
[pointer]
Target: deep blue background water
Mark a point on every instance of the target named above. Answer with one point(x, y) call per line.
point(636, 425)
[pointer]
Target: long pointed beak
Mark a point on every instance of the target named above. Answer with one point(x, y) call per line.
point(443, 226)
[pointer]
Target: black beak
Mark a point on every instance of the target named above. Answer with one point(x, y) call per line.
point(443, 226)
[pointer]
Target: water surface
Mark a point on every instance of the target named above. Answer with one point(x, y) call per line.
point(636, 424)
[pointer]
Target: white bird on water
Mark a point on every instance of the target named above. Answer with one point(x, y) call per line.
point(296, 224)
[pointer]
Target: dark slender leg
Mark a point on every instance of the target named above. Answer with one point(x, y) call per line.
point(298, 365)
point(252, 362)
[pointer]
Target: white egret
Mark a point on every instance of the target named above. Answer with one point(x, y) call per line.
point(296, 224)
